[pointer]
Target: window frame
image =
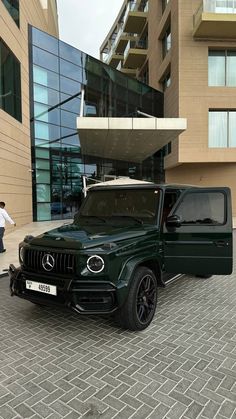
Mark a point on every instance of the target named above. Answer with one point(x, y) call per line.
point(17, 113)
point(17, 22)
point(202, 191)
point(225, 51)
point(227, 111)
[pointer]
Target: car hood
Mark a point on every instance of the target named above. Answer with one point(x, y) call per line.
point(84, 237)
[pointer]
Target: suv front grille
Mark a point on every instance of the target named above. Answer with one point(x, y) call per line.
point(64, 263)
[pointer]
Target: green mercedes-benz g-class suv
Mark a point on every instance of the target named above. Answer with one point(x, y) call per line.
point(126, 241)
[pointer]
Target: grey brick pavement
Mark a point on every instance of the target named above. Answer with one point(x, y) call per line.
point(55, 364)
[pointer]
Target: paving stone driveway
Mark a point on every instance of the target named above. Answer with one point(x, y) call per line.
point(56, 364)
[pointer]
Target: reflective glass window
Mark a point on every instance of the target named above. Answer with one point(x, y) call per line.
point(72, 105)
point(69, 86)
point(45, 41)
point(67, 132)
point(10, 82)
point(48, 144)
point(46, 77)
point(45, 95)
point(42, 153)
point(46, 114)
point(46, 131)
point(94, 66)
point(68, 119)
point(71, 54)
point(13, 8)
point(69, 69)
point(56, 139)
point(94, 81)
point(201, 208)
point(45, 59)
point(71, 143)
point(42, 164)
point(42, 176)
point(43, 192)
point(43, 212)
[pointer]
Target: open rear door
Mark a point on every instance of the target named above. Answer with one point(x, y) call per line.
point(202, 243)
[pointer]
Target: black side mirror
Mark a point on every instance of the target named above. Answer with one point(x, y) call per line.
point(173, 221)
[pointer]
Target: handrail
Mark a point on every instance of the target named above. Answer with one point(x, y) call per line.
point(215, 6)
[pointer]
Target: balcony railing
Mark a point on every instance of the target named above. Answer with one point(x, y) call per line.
point(215, 6)
point(219, 6)
point(136, 6)
point(110, 55)
point(215, 19)
point(141, 44)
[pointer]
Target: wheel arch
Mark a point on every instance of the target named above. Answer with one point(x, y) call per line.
point(149, 262)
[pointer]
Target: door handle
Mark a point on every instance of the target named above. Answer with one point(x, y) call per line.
point(221, 243)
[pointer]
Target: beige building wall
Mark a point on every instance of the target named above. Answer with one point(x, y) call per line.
point(15, 149)
point(189, 96)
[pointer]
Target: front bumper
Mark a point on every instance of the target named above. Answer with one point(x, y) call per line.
point(84, 297)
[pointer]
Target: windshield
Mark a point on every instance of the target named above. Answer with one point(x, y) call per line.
point(123, 205)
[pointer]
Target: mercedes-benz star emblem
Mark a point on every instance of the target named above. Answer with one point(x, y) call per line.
point(48, 262)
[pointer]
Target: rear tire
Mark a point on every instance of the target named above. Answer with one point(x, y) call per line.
point(140, 305)
point(204, 276)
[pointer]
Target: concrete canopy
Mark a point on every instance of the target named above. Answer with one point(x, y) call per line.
point(127, 139)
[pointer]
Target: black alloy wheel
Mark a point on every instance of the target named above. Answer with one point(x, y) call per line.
point(140, 305)
point(146, 298)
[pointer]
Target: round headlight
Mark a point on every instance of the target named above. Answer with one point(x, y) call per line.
point(21, 254)
point(95, 264)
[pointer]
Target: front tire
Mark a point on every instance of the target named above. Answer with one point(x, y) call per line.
point(140, 305)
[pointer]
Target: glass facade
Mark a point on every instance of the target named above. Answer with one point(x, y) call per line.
point(13, 8)
point(10, 82)
point(59, 74)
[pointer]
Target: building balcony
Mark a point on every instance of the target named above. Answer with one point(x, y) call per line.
point(122, 41)
point(136, 16)
point(113, 58)
point(135, 54)
point(215, 19)
point(131, 72)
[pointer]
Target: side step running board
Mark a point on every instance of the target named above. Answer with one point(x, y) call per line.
point(173, 279)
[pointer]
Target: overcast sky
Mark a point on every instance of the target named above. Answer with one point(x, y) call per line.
point(85, 23)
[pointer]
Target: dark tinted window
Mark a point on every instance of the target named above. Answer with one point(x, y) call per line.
point(202, 208)
point(122, 204)
point(10, 82)
point(13, 8)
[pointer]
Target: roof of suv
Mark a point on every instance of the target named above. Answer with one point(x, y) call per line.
point(128, 182)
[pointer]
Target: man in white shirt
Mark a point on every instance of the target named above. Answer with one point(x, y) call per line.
point(3, 218)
